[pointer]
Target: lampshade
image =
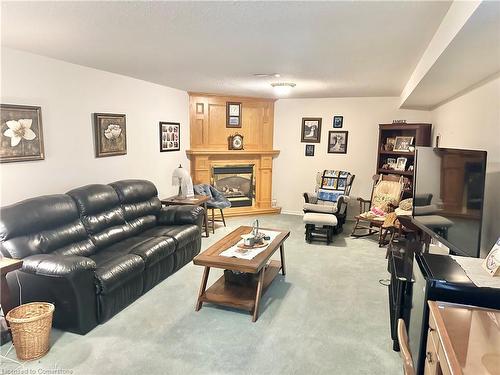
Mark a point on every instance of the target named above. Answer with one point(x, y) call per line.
point(181, 178)
point(179, 175)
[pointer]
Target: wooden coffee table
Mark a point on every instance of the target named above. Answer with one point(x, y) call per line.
point(244, 297)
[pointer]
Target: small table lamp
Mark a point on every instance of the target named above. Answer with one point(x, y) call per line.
point(181, 178)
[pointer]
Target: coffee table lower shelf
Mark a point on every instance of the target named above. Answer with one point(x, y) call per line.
point(240, 296)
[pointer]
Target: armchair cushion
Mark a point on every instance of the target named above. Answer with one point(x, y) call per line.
point(217, 199)
point(202, 189)
point(320, 208)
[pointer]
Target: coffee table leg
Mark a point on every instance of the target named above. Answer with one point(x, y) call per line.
point(206, 220)
point(258, 295)
point(203, 286)
point(282, 253)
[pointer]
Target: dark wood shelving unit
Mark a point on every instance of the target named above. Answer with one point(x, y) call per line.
point(393, 171)
point(421, 133)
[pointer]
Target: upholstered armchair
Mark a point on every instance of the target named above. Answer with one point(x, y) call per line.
point(331, 195)
point(217, 201)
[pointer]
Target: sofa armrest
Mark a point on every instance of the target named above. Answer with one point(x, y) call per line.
point(178, 215)
point(57, 265)
point(67, 282)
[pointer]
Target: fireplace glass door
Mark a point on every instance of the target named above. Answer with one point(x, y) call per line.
point(236, 183)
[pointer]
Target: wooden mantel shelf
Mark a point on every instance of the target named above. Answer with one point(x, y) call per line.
point(233, 152)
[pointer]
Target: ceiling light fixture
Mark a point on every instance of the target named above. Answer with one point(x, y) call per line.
point(283, 88)
point(267, 75)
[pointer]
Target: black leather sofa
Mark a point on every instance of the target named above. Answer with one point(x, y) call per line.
point(97, 248)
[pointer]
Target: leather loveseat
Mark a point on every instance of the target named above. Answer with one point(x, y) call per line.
point(97, 248)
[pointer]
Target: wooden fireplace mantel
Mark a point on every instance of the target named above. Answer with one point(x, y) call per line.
point(203, 162)
point(209, 144)
point(189, 153)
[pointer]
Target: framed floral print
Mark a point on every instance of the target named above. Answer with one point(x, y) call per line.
point(170, 136)
point(110, 134)
point(21, 133)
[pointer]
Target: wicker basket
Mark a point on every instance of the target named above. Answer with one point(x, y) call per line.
point(30, 325)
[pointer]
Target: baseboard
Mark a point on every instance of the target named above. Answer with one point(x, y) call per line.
point(297, 213)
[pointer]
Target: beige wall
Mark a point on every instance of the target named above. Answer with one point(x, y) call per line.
point(473, 121)
point(295, 173)
point(68, 95)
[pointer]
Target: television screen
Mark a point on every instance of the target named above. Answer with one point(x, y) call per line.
point(448, 196)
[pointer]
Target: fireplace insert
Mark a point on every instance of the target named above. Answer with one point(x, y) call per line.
point(236, 183)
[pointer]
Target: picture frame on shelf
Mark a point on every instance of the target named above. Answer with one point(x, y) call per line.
point(389, 143)
point(338, 121)
point(309, 150)
point(110, 134)
point(391, 163)
point(401, 164)
point(233, 115)
point(170, 136)
point(311, 130)
point(21, 137)
point(337, 142)
point(403, 143)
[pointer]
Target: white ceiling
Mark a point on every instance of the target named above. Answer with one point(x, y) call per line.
point(472, 57)
point(329, 49)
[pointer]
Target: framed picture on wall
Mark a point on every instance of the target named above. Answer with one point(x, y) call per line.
point(233, 115)
point(311, 130)
point(170, 136)
point(309, 150)
point(21, 133)
point(110, 132)
point(338, 121)
point(337, 142)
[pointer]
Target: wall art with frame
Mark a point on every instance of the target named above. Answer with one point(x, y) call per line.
point(337, 142)
point(170, 136)
point(21, 136)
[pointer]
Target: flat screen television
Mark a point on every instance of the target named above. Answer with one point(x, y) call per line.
point(448, 195)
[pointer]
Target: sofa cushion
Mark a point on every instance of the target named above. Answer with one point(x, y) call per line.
point(182, 234)
point(154, 249)
point(114, 273)
point(150, 249)
point(140, 203)
point(43, 225)
point(101, 214)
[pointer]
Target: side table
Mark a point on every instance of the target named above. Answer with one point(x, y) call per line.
point(197, 200)
point(6, 265)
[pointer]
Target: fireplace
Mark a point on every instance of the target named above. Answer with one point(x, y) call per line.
point(236, 183)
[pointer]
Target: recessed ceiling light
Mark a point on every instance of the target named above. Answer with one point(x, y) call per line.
point(283, 88)
point(267, 75)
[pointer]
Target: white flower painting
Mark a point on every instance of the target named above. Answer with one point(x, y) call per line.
point(110, 134)
point(18, 130)
point(21, 137)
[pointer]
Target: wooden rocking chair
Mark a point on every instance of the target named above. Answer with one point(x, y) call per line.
point(386, 195)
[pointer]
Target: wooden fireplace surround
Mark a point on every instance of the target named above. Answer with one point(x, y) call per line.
point(209, 144)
